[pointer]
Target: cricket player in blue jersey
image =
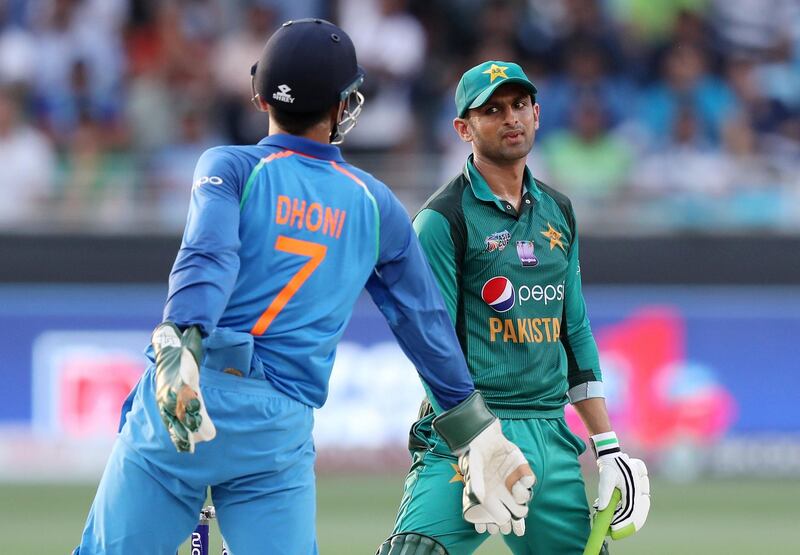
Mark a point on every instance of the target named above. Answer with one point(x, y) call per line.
point(280, 239)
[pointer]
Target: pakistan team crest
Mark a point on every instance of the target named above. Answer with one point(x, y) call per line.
point(497, 241)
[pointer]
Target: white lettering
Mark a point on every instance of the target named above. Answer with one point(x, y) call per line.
point(213, 180)
point(548, 293)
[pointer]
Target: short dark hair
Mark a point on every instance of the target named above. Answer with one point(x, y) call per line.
point(297, 123)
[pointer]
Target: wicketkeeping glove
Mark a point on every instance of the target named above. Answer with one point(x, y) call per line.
point(178, 396)
point(497, 478)
point(618, 470)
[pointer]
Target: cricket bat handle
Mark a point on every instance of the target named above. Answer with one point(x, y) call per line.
point(602, 521)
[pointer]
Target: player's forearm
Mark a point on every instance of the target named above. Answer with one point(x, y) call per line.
point(594, 414)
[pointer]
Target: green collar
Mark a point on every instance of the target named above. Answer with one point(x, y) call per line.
point(482, 191)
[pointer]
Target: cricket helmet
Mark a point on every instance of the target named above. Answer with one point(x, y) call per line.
point(307, 66)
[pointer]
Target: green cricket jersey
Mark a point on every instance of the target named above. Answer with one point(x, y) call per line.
point(512, 285)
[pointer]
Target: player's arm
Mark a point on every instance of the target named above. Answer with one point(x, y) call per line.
point(207, 264)
point(436, 240)
point(498, 478)
point(200, 284)
point(407, 294)
point(583, 361)
point(617, 469)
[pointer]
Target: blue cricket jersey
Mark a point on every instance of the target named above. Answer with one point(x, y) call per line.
point(280, 239)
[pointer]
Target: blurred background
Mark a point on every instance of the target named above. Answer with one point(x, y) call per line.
point(674, 126)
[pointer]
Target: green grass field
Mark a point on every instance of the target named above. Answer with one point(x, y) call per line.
point(355, 513)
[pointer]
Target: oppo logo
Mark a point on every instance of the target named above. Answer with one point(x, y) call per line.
point(214, 180)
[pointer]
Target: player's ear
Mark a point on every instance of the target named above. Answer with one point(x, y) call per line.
point(261, 104)
point(535, 115)
point(462, 128)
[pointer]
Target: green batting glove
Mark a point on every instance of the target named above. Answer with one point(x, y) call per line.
point(178, 396)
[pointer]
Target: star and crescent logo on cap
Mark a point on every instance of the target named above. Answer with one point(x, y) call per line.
point(496, 71)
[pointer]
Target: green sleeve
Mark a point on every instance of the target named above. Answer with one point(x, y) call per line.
point(433, 230)
point(583, 374)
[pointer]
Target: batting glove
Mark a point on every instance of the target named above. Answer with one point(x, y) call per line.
point(618, 470)
point(178, 396)
point(497, 478)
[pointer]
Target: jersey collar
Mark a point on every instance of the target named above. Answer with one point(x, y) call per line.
point(482, 191)
point(304, 146)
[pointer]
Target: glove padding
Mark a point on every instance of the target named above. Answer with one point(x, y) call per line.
point(497, 478)
point(483, 522)
point(178, 395)
point(617, 470)
point(497, 483)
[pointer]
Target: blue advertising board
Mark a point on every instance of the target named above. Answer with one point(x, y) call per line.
point(679, 362)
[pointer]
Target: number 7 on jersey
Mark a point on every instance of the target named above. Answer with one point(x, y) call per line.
point(316, 253)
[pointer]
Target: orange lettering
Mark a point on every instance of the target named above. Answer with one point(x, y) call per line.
point(282, 210)
point(341, 223)
point(331, 221)
point(556, 329)
point(495, 327)
point(524, 334)
point(314, 225)
point(546, 322)
point(509, 334)
point(537, 333)
point(298, 211)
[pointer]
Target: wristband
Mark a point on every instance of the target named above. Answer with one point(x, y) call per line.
point(605, 444)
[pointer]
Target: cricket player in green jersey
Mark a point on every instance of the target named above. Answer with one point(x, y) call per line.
point(504, 249)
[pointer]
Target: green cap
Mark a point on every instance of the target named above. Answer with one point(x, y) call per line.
point(478, 84)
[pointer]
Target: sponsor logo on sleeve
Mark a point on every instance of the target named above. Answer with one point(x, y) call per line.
point(212, 180)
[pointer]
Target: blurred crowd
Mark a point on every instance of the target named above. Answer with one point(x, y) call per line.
point(667, 115)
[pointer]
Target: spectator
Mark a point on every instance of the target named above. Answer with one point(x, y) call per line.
point(756, 28)
point(687, 82)
point(768, 115)
point(649, 22)
point(235, 51)
point(78, 63)
point(173, 166)
point(28, 161)
point(586, 160)
point(585, 75)
point(684, 161)
point(17, 50)
point(391, 46)
point(586, 23)
point(97, 182)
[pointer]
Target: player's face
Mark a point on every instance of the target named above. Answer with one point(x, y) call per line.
point(504, 128)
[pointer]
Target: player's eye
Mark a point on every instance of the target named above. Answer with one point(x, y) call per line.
point(490, 110)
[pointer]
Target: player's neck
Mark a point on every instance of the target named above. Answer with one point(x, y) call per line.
point(318, 133)
point(504, 180)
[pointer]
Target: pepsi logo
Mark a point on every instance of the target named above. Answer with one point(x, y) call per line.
point(498, 293)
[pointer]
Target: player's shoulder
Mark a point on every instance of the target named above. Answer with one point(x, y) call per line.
point(228, 166)
point(377, 188)
point(232, 154)
point(560, 199)
point(239, 159)
point(447, 199)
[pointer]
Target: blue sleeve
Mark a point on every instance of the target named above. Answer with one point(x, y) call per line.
point(405, 291)
point(207, 265)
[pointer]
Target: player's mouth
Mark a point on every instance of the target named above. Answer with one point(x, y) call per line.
point(514, 136)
